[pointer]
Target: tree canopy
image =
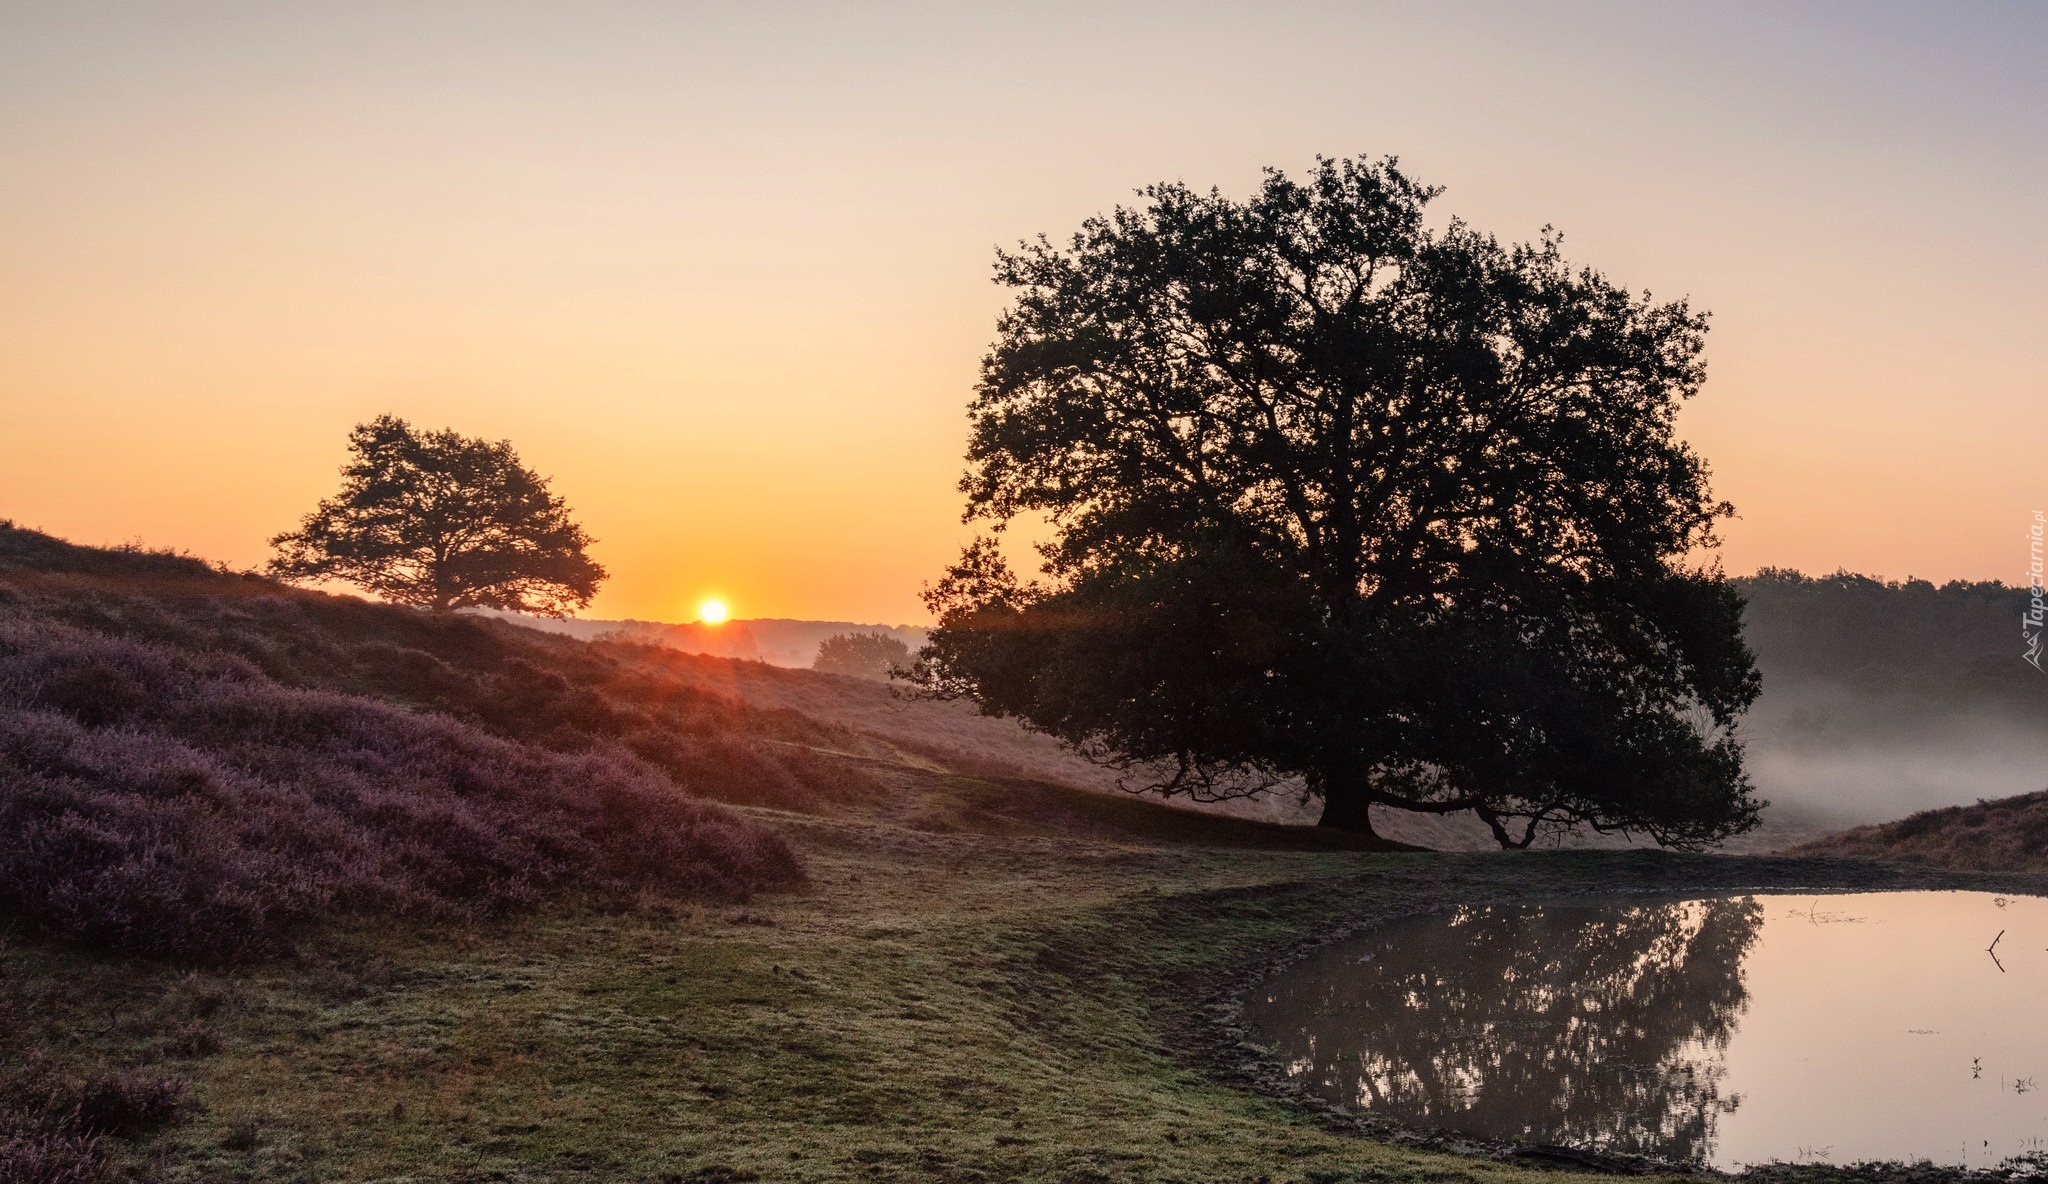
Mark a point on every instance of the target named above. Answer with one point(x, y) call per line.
point(1335, 495)
point(443, 521)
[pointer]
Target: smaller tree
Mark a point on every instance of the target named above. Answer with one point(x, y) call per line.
point(862, 655)
point(442, 521)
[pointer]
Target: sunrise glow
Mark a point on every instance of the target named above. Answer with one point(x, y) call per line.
point(713, 612)
point(736, 337)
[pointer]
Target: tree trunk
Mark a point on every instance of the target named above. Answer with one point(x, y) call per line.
point(1345, 805)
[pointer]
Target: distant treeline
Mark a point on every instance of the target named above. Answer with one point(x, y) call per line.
point(1956, 644)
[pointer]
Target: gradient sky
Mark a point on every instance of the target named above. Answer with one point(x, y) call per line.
point(722, 271)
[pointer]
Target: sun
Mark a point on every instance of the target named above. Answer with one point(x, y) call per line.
point(712, 612)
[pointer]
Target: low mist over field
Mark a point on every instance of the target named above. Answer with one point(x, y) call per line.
point(1845, 778)
point(1881, 699)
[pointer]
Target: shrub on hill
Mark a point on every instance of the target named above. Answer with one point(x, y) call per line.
point(862, 655)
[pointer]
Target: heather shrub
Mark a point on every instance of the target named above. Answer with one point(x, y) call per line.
point(38, 1095)
point(190, 1040)
point(53, 1158)
point(53, 1126)
point(173, 803)
point(129, 1102)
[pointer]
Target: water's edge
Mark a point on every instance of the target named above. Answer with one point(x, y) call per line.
point(1231, 1053)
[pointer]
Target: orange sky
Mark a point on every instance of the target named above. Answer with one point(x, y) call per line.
point(722, 271)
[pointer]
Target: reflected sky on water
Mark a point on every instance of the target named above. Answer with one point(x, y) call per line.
point(1728, 1030)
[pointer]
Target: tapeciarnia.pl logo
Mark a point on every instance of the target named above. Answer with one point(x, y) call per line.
point(2032, 620)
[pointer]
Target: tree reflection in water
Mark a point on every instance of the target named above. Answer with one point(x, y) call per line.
point(1600, 1026)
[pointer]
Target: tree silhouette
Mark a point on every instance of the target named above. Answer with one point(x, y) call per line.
point(1400, 511)
point(862, 655)
point(1596, 1026)
point(442, 521)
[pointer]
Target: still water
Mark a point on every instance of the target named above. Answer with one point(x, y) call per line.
point(1730, 1031)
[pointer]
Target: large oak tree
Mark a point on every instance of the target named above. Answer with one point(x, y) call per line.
point(443, 521)
point(1337, 495)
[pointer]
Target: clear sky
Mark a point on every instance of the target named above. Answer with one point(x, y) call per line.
point(722, 271)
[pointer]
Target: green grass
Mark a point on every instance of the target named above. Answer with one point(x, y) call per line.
point(932, 1006)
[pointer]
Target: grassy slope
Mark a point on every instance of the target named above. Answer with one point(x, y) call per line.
point(2009, 834)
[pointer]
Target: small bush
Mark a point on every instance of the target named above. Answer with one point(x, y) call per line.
point(37, 1096)
point(53, 1126)
point(862, 655)
point(191, 1040)
point(130, 1102)
point(54, 1158)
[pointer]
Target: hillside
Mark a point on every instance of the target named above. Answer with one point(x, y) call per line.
point(196, 763)
point(1880, 698)
point(2007, 835)
point(737, 732)
point(203, 771)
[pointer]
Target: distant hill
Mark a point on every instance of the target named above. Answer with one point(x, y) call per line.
point(740, 732)
point(777, 641)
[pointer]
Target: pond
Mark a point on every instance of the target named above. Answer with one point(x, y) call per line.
point(1726, 1031)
